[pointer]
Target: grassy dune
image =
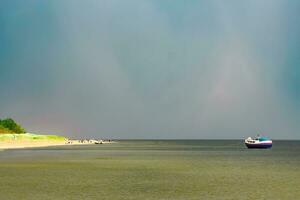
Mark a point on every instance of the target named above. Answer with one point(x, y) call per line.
point(30, 137)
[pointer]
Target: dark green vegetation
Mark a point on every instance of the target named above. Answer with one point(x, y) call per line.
point(10, 130)
point(154, 170)
point(8, 125)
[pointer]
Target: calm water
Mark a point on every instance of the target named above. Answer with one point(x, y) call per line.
point(182, 169)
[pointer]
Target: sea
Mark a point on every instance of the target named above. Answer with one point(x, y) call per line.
point(154, 170)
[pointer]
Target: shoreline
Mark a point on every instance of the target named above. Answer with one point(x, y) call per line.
point(32, 144)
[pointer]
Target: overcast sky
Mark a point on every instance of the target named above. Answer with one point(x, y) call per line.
point(152, 68)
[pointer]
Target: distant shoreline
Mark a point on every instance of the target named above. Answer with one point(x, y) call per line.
point(29, 140)
point(23, 145)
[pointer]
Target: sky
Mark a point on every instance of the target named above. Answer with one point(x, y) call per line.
point(152, 69)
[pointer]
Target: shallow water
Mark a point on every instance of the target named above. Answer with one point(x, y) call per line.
point(178, 169)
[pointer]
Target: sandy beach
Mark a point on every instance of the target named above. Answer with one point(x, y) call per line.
point(28, 144)
point(32, 144)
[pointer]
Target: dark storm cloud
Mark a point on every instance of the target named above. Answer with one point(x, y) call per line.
point(151, 69)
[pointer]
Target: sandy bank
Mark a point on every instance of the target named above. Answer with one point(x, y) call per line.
point(25, 144)
point(31, 144)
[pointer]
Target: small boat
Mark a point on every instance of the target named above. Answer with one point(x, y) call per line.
point(261, 142)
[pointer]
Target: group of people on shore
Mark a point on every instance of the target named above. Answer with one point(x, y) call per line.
point(87, 141)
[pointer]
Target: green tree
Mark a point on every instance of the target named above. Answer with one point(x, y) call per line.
point(4, 130)
point(11, 125)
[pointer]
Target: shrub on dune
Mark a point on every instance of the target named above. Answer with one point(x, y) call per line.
point(8, 125)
